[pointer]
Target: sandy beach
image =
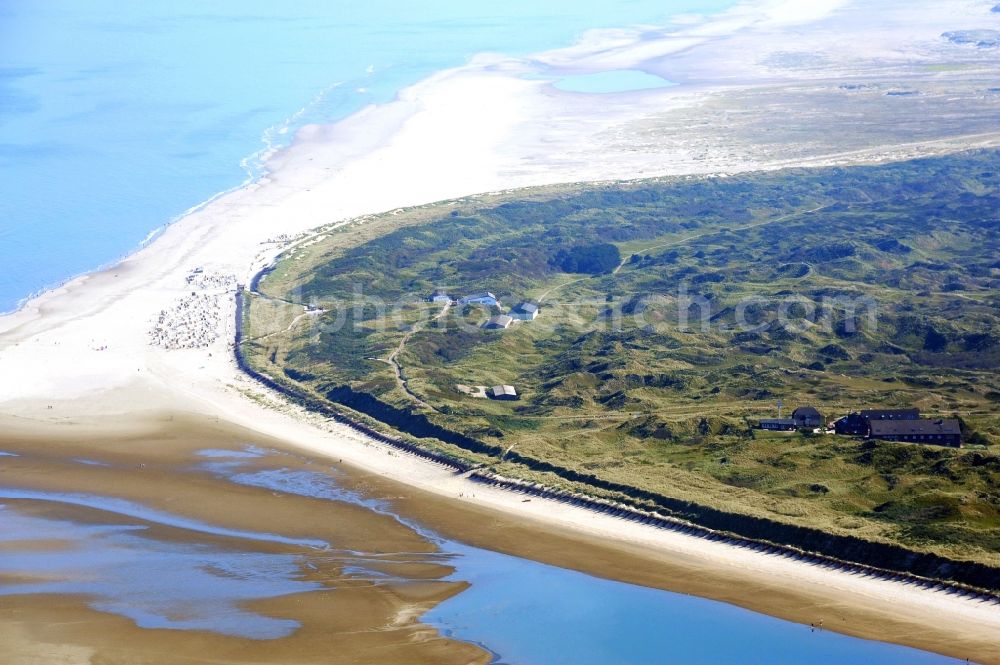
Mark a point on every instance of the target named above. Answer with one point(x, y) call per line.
point(128, 348)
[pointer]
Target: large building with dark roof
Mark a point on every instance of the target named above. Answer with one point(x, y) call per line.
point(890, 414)
point(851, 425)
point(859, 424)
point(934, 432)
point(806, 416)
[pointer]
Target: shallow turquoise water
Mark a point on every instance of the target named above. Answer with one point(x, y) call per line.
point(117, 117)
point(619, 80)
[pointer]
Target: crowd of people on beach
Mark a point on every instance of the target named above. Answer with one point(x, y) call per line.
point(207, 281)
point(195, 321)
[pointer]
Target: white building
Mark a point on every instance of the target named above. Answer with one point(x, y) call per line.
point(526, 311)
point(485, 298)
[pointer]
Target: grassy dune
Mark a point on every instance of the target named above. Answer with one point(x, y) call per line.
point(837, 288)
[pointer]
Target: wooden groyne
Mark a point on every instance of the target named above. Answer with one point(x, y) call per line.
point(654, 519)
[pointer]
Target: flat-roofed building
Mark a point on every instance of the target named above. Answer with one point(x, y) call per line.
point(484, 298)
point(778, 424)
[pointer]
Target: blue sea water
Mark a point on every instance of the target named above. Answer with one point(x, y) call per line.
point(115, 118)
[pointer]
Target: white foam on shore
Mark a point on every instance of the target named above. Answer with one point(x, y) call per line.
point(276, 137)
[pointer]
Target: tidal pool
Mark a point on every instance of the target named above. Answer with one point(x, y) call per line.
point(155, 583)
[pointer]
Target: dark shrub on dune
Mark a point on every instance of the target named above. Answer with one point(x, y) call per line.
point(588, 259)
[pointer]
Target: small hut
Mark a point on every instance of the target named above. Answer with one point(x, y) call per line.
point(503, 393)
point(499, 322)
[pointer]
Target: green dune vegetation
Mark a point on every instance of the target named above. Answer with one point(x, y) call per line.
point(674, 314)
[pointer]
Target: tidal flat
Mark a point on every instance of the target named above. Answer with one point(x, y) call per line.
point(193, 541)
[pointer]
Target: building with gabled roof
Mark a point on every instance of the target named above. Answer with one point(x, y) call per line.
point(504, 393)
point(890, 414)
point(498, 322)
point(851, 425)
point(859, 423)
point(807, 416)
point(525, 311)
point(933, 432)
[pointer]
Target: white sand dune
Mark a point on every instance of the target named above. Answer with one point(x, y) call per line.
point(88, 349)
